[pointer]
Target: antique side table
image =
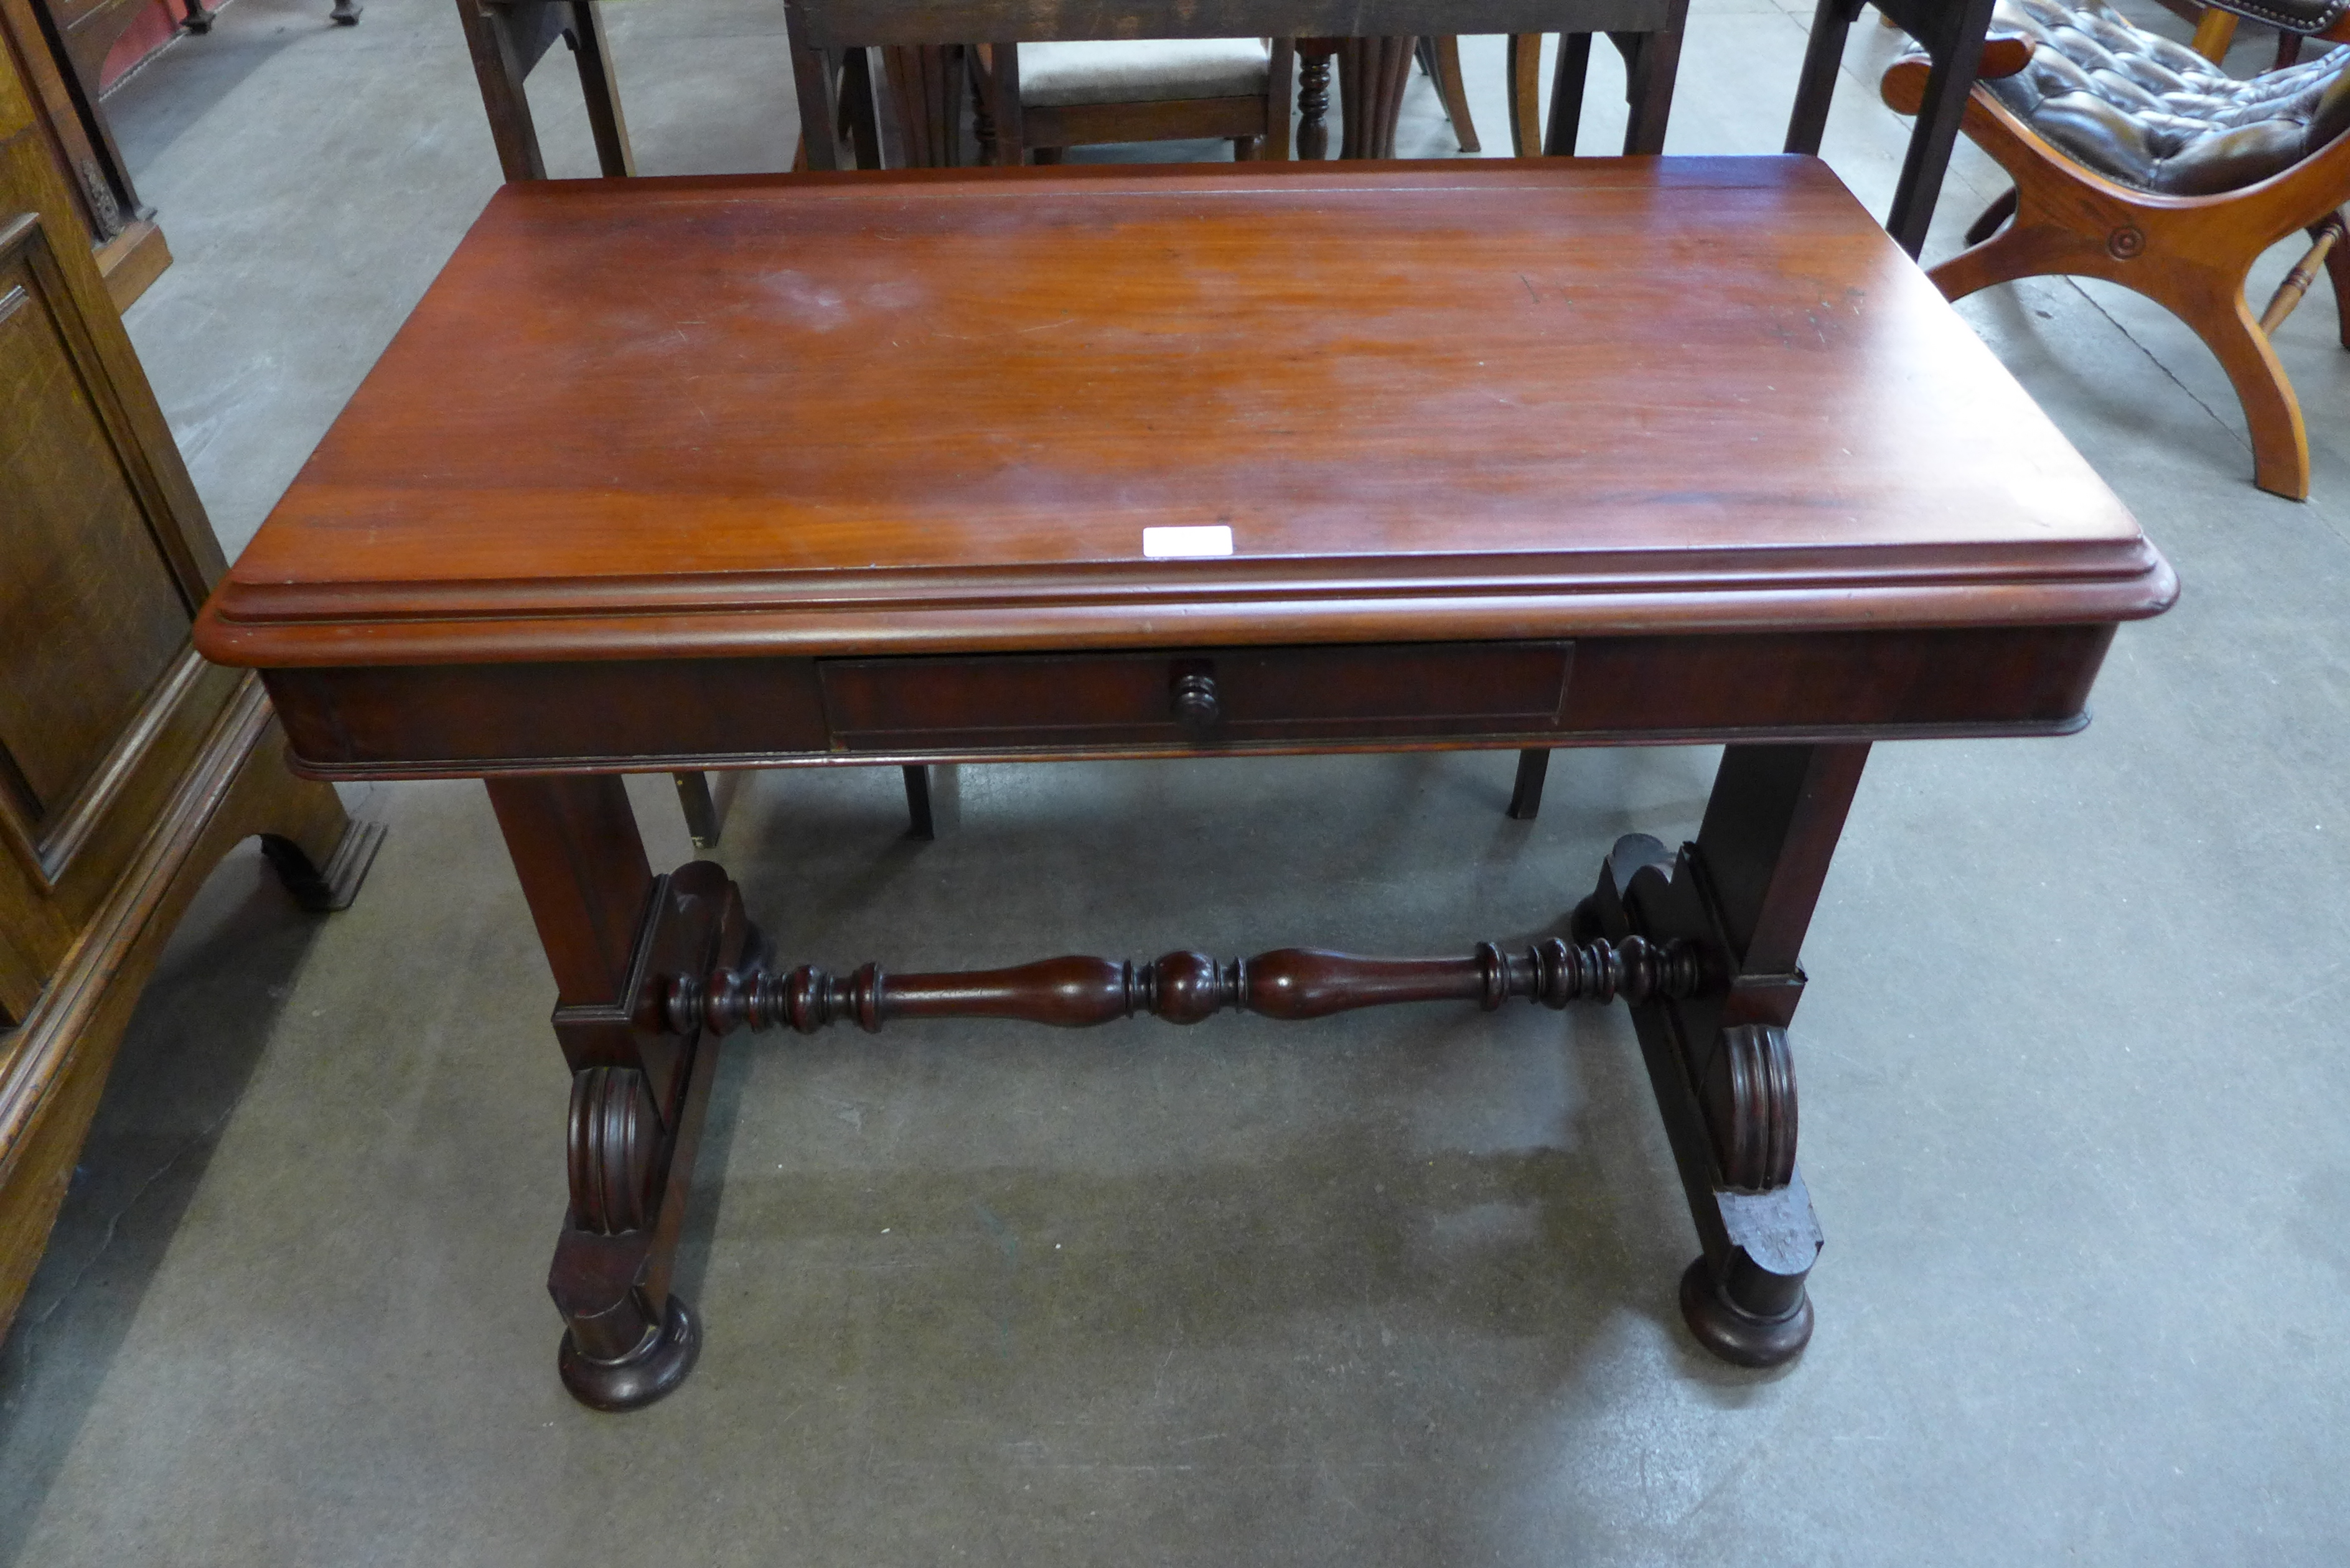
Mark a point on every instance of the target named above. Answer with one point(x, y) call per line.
point(1027, 464)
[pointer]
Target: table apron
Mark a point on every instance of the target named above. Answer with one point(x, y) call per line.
point(466, 720)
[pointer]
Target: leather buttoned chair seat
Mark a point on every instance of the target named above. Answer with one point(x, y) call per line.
point(2140, 162)
point(2155, 115)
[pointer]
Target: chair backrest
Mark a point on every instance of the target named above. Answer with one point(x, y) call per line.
point(506, 38)
point(823, 31)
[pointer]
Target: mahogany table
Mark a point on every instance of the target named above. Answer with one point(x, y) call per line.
point(854, 469)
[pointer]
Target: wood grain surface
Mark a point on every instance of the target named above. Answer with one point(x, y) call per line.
point(935, 411)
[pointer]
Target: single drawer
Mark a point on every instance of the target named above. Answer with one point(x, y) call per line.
point(1207, 697)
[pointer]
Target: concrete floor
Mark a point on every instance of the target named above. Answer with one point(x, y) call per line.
point(1396, 1289)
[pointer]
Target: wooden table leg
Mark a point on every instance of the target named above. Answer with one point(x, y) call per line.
point(1719, 1061)
point(638, 1095)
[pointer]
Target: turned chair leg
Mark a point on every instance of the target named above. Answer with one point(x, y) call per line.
point(1314, 56)
point(2337, 273)
point(2323, 236)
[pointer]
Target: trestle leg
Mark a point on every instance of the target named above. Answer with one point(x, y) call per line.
point(638, 1094)
point(1719, 1061)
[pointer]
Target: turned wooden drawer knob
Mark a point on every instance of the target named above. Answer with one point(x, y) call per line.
point(1196, 708)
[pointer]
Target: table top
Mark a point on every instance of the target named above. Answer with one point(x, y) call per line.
point(938, 410)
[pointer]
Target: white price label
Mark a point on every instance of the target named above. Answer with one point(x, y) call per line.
point(1163, 543)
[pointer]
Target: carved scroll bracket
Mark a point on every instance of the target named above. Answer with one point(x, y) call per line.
point(1182, 987)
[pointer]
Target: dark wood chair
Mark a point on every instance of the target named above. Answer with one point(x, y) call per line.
point(1042, 97)
point(1038, 98)
point(1373, 73)
point(506, 39)
point(1371, 43)
point(1951, 32)
point(1651, 63)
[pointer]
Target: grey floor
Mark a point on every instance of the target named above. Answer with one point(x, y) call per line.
point(1392, 1290)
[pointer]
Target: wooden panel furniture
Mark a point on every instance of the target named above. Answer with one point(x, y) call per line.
point(56, 46)
point(127, 764)
point(1036, 464)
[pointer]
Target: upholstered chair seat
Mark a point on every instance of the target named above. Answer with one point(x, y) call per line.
point(2141, 163)
point(1082, 93)
point(1143, 70)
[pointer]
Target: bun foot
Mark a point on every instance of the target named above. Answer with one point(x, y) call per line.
point(657, 1365)
point(1735, 1334)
